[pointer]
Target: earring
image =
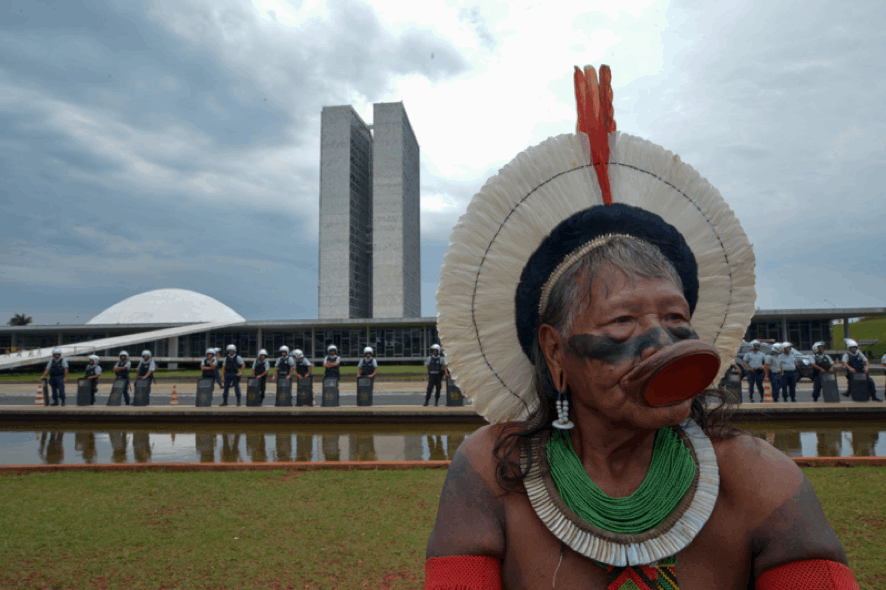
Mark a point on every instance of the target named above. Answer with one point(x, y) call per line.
point(562, 422)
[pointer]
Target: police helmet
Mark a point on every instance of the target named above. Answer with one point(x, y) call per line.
point(367, 350)
point(787, 345)
point(284, 349)
point(298, 353)
point(56, 351)
point(331, 348)
point(850, 343)
point(210, 351)
point(93, 358)
point(435, 347)
point(146, 353)
point(231, 347)
point(817, 344)
point(777, 348)
point(755, 343)
point(262, 352)
point(124, 353)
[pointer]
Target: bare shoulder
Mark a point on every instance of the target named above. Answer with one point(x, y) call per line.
point(763, 488)
point(471, 515)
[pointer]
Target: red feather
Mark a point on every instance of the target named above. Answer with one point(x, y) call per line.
point(596, 118)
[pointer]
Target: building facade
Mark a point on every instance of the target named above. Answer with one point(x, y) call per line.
point(396, 218)
point(345, 281)
point(370, 243)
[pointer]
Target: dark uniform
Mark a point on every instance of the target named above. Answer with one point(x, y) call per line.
point(124, 374)
point(858, 362)
point(209, 370)
point(755, 361)
point(56, 368)
point(302, 366)
point(435, 364)
point(825, 362)
point(232, 366)
point(332, 359)
point(92, 370)
point(259, 367)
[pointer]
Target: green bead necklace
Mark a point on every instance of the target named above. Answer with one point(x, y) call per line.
point(671, 473)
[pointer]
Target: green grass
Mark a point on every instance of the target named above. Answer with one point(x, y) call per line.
point(305, 530)
point(875, 328)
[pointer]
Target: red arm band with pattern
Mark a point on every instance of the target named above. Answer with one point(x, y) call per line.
point(462, 572)
point(811, 574)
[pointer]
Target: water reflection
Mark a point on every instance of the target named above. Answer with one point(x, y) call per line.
point(261, 443)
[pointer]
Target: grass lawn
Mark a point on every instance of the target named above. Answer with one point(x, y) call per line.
point(304, 530)
point(862, 331)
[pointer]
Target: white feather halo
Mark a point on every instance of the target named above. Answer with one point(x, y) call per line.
point(517, 209)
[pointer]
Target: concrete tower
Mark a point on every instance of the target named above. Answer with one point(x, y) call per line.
point(396, 237)
point(345, 285)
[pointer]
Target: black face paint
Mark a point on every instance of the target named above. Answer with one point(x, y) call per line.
point(612, 351)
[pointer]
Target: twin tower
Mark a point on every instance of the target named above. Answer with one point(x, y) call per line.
point(370, 241)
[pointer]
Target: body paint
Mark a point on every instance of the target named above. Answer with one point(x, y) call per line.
point(612, 351)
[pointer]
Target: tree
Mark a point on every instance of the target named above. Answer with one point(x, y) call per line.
point(20, 319)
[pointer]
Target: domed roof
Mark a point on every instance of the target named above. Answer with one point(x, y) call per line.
point(167, 306)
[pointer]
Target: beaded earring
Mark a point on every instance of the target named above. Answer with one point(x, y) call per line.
point(562, 422)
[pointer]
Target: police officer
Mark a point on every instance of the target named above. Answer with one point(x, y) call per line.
point(788, 373)
point(367, 366)
point(437, 369)
point(57, 368)
point(283, 365)
point(233, 370)
point(93, 372)
point(146, 366)
point(260, 368)
point(303, 367)
point(218, 363)
point(209, 367)
point(774, 370)
point(753, 363)
point(121, 371)
point(821, 364)
point(331, 361)
point(855, 362)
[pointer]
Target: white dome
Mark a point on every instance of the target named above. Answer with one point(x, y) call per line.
point(167, 306)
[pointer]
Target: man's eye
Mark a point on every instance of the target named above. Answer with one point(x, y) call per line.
point(625, 319)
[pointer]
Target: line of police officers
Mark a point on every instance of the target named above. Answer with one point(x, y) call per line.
point(780, 369)
point(233, 365)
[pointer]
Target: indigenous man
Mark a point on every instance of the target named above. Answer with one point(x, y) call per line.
point(93, 372)
point(57, 368)
point(576, 302)
point(234, 365)
point(437, 370)
point(856, 362)
point(260, 369)
point(121, 371)
point(753, 362)
point(821, 365)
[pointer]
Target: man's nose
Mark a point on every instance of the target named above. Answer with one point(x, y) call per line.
point(654, 339)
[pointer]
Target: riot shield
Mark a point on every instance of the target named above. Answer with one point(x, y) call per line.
point(858, 387)
point(284, 392)
point(117, 390)
point(46, 392)
point(142, 394)
point(330, 391)
point(453, 394)
point(253, 392)
point(364, 391)
point(829, 390)
point(204, 392)
point(84, 392)
point(305, 394)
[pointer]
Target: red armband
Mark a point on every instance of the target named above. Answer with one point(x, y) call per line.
point(810, 574)
point(462, 572)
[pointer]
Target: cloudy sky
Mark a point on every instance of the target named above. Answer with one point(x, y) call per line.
point(162, 144)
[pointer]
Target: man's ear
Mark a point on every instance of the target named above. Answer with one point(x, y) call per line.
point(553, 347)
